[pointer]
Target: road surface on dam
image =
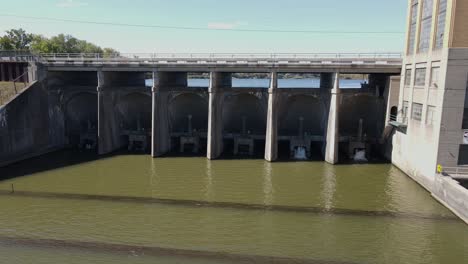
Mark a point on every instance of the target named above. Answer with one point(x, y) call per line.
point(66, 207)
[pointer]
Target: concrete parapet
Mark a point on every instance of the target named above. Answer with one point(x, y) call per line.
point(451, 194)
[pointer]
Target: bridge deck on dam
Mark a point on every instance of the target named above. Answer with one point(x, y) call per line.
point(303, 62)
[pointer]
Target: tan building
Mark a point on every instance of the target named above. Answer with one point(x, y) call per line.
point(433, 98)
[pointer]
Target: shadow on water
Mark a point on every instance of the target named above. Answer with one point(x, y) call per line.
point(72, 157)
point(51, 161)
point(55, 160)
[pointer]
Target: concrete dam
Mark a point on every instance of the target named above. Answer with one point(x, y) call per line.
point(105, 104)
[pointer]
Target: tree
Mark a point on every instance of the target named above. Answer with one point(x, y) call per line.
point(16, 39)
point(110, 52)
point(41, 44)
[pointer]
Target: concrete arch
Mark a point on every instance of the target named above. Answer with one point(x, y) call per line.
point(309, 107)
point(184, 104)
point(81, 114)
point(134, 111)
point(361, 106)
point(245, 104)
point(66, 97)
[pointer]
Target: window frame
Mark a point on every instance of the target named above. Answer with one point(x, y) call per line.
point(434, 84)
point(431, 118)
point(416, 115)
point(416, 79)
point(425, 33)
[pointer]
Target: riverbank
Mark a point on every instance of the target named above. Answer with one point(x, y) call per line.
point(7, 91)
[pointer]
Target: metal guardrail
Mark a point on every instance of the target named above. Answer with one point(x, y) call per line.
point(398, 118)
point(362, 58)
point(210, 57)
point(455, 172)
point(23, 78)
point(13, 88)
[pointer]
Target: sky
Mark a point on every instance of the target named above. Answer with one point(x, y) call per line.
point(217, 19)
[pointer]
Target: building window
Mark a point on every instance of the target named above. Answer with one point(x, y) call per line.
point(431, 114)
point(465, 112)
point(463, 155)
point(420, 77)
point(414, 20)
point(435, 77)
point(417, 112)
point(440, 31)
point(426, 26)
point(405, 111)
point(408, 77)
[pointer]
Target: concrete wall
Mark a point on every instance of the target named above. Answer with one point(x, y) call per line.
point(25, 124)
point(451, 194)
point(456, 85)
point(460, 24)
point(189, 104)
point(369, 108)
point(252, 106)
point(311, 108)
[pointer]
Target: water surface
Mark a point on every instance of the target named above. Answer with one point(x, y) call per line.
point(132, 208)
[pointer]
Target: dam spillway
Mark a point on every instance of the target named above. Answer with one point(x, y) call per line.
point(105, 104)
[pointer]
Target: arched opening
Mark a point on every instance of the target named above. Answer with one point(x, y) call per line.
point(301, 128)
point(134, 115)
point(394, 113)
point(244, 125)
point(188, 113)
point(361, 125)
point(81, 121)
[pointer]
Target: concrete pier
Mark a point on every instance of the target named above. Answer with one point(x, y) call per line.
point(219, 81)
point(10, 72)
point(271, 142)
point(331, 151)
point(161, 139)
point(2, 72)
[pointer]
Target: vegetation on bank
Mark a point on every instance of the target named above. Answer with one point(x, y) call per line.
point(7, 91)
point(20, 40)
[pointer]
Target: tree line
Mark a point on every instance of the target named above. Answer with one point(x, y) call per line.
point(20, 40)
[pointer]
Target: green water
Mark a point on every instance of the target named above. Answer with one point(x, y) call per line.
point(135, 209)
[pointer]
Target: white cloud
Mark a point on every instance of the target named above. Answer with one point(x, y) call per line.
point(225, 25)
point(71, 3)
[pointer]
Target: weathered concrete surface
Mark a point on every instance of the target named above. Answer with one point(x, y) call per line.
point(25, 125)
point(109, 138)
point(215, 116)
point(451, 194)
point(161, 138)
point(124, 110)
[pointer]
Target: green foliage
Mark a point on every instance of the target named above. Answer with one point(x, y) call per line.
point(18, 39)
point(109, 52)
